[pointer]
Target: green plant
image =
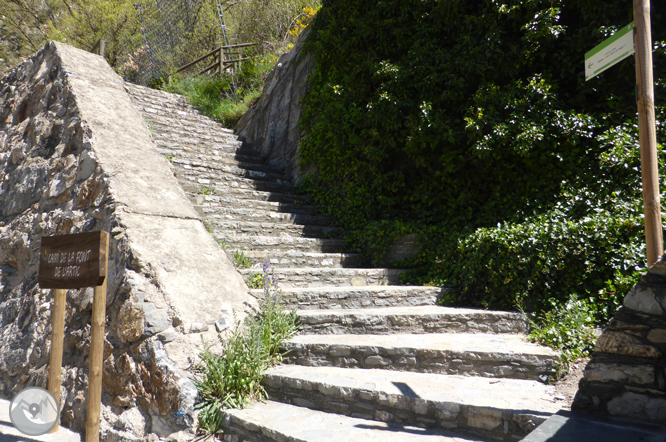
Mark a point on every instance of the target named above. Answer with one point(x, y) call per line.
point(242, 261)
point(255, 281)
point(233, 379)
point(209, 229)
point(568, 328)
point(169, 157)
point(207, 190)
point(519, 178)
point(223, 244)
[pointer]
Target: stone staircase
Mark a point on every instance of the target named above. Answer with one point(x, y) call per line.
point(373, 359)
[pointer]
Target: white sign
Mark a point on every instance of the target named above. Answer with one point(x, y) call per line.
point(611, 51)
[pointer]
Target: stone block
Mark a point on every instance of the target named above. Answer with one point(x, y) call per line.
point(657, 336)
point(484, 418)
point(633, 374)
point(638, 406)
point(621, 343)
point(643, 299)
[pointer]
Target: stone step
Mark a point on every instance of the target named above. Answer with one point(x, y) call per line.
point(189, 159)
point(194, 142)
point(224, 182)
point(223, 153)
point(296, 258)
point(501, 409)
point(274, 229)
point(253, 242)
point(224, 171)
point(360, 298)
point(258, 195)
point(164, 122)
point(468, 354)
point(263, 216)
point(420, 319)
point(277, 422)
point(305, 277)
point(211, 203)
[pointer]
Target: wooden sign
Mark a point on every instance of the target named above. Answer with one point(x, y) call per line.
point(70, 262)
point(73, 261)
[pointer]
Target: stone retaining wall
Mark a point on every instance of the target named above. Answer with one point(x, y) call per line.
point(76, 156)
point(626, 376)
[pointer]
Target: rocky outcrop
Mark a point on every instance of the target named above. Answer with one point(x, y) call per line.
point(271, 125)
point(76, 156)
point(627, 374)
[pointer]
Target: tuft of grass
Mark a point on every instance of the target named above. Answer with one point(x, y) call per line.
point(207, 190)
point(233, 378)
point(242, 261)
point(169, 157)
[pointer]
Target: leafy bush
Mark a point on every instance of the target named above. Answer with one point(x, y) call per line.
point(233, 379)
point(224, 98)
point(470, 124)
point(568, 328)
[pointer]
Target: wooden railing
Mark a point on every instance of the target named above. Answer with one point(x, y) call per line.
point(99, 47)
point(220, 57)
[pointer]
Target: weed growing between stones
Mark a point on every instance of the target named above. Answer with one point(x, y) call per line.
point(233, 379)
point(255, 281)
point(207, 190)
point(242, 261)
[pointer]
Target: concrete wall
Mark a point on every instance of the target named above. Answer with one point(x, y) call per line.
point(271, 125)
point(76, 156)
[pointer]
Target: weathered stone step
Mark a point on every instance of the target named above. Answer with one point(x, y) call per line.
point(501, 409)
point(162, 122)
point(235, 214)
point(197, 143)
point(278, 422)
point(469, 354)
point(193, 160)
point(258, 195)
point(253, 242)
point(211, 203)
point(423, 319)
point(222, 182)
point(226, 154)
point(318, 277)
point(273, 229)
point(358, 298)
point(296, 258)
point(224, 171)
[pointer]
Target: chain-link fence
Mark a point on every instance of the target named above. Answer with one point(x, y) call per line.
point(174, 32)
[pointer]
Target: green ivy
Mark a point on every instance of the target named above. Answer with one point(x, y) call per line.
point(470, 124)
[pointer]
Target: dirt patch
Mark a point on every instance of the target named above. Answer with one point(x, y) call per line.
point(568, 385)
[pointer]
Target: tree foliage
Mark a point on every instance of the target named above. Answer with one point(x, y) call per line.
point(470, 124)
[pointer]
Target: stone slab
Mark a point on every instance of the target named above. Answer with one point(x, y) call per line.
point(121, 140)
point(199, 283)
point(502, 394)
point(273, 421)
point(500, 409)
point(419, 319)
point(487, 355)
point(9, 433)
point(574, 427)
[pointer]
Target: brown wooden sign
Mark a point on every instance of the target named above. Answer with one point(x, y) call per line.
point(73, 261)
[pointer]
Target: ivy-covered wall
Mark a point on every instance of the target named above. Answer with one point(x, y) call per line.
point(470, 124)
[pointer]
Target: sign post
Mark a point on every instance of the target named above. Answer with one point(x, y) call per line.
point(647, 132)
point(70, 262)
point(636, 38)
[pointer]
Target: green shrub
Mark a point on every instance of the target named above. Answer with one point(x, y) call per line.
point(470, 124)
point(568, 328)
point(224, 98)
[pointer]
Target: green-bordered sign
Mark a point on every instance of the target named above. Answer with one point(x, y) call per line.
point(611, 51)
